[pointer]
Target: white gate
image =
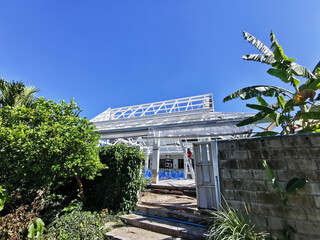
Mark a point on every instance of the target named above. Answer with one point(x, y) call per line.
point(207, 174)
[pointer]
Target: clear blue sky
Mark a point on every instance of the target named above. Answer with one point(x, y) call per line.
point(113, 53)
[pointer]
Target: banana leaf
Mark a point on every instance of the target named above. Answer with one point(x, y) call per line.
point(255, 91)
point(258, 44)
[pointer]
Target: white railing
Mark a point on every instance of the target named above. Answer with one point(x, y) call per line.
point(169, 106)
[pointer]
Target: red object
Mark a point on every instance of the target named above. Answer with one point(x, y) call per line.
point(189, 153)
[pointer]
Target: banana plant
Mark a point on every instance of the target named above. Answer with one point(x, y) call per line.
point(291, 187)
point(282, 112)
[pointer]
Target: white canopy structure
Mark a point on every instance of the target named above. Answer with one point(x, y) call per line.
point(170, 126)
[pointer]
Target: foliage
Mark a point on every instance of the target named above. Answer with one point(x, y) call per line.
point(36, 229)
point(291, 187)
point(233, 224)
point(75, 205)
point(16, 94)
point(3, 197)
point(283, 112)
point(77, 225)
point(59, 200)
point(14, 226)
point(46, 144)
point(117, 189)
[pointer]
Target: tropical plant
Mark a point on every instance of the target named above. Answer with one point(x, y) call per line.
point(291, 187)
point(284, 111)
point(46, 144)
point(233, 224)
point(36, 229)
point(16, 94)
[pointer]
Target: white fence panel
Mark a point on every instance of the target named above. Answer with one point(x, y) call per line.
point(207, 174)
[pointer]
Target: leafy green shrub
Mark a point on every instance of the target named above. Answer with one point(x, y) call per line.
point(60, 200)
point(233, 224)
point(3, 197)
point(76, 225)
point(117, 189)
point(36, 229)
point(46, 143)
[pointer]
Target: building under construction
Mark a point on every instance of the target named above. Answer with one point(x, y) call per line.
point(166, 131)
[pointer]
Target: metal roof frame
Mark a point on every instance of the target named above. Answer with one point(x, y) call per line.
point(181, 118)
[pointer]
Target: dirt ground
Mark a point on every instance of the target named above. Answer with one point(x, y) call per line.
point(169, 199)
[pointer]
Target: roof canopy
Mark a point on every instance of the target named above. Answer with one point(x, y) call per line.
point(189, 117)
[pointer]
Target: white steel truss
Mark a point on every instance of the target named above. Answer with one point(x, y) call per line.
point(170, 106)
point(162, 127)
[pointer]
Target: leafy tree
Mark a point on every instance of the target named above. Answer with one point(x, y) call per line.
point(46, 144)
point(16, 94)
point(118, 186)
point(283, 112)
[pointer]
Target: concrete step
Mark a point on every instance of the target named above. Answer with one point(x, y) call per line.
point(185, 203)
point(174, 212)
point(163, 226)
point(177, 190)
point(134, 233)
point(170, 206)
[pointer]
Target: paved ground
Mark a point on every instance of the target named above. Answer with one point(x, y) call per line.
point(176, 183)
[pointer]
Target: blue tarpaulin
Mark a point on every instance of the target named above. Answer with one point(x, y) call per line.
point(164, 174)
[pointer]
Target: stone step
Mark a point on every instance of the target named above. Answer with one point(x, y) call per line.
point(134, 233)
point(163, 226)
point(170, 206)
point(174, 212)
point(177, 190)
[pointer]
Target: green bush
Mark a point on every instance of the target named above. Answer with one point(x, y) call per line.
point(3, 197)
point(76, 225)
point(44, 144)
point(117, 189)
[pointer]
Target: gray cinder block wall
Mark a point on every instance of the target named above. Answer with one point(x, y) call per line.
point(243, 179)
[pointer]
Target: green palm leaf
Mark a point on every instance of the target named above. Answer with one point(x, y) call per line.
point(265, 109)
point(265, 134)
point(259, 58)
point(316, 70)
point(277, 49)
point(295, 184)
point(255, 42)
point(301, 71)
point(308, 115)
point(279, 73)
point(313, 83)
point(255, 91)
point(16, 93)
point(259, 116)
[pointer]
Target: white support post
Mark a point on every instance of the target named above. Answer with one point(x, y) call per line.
point(185, 159)
point(155, 160)
point(146, 162)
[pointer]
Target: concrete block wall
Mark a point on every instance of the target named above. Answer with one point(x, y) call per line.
point(243, 179)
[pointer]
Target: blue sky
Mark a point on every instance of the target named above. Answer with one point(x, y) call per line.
point(113, 53)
